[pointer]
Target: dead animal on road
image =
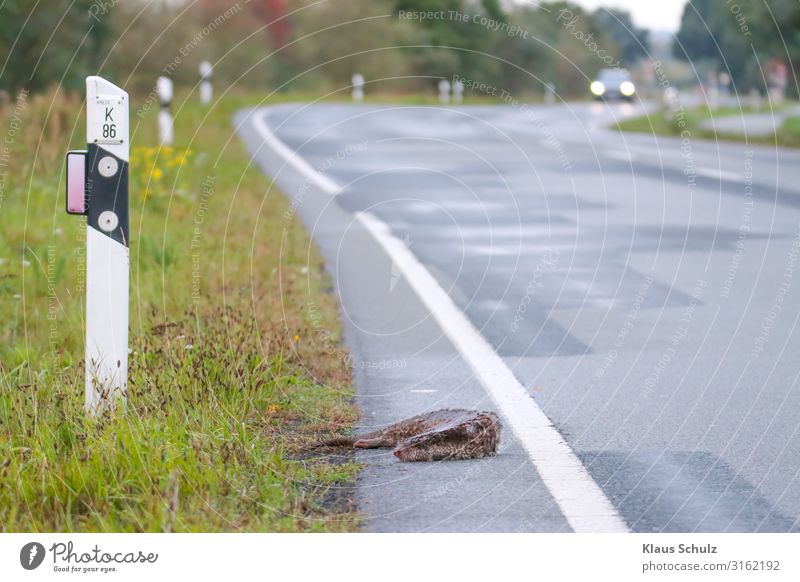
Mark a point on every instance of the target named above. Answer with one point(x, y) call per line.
point(433, 436)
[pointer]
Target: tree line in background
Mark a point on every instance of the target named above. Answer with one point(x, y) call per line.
point(307, 45)
point(749, 40)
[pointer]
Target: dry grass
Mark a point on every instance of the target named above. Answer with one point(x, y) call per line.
point(229, 374)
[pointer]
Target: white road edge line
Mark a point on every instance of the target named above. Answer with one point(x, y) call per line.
point(290, 156)
point(580, 499)
point(623, 156)
point(718, 174)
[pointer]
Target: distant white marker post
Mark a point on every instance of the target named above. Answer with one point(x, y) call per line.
point(358, 87)
point(458, 91)
point(444, 91)
point(549, 93)
point(206, 90)
point(97, 187)
point(165, 123)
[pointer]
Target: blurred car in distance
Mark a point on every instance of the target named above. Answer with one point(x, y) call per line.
point(613, 84)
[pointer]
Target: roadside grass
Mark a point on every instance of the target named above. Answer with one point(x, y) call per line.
point(374, 96)
point(470, 98)
point(235, 363)
point(788, 135)
point(790, 132)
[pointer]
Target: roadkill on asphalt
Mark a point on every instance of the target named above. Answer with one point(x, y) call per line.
point(433, 436)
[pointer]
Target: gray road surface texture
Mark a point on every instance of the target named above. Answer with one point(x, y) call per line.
point(644, 290)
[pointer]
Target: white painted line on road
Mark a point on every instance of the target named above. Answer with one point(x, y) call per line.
point(624, 156)
point(291, 157)
point(423, 391)
point(718, 174)
point(583, 504)
point(580, 499)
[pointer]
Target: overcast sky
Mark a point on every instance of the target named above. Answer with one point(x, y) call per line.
point(653, 14)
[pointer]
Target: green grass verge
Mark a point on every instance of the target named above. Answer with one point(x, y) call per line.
point(236, 361)
point(788, 135)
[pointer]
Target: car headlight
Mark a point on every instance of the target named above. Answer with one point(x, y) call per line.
point(627, 88)
point(597, 88)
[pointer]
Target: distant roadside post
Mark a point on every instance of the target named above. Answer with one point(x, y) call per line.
point(358, 87)
point(712, 90)
point(444, 91)
point(97, 187)
point(754, 99)
point(725, 84)
point(549, 93)
point(165, 123)
point(458, 91)
point(668, 99)
point(777, 80)
point(206, 89)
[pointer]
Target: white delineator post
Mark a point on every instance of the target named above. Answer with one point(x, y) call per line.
point(165, 129)
point(107, 243)
point(444, 91)
point(358, 87)
point(549, 93)
point(205, 82)
point(458, 91)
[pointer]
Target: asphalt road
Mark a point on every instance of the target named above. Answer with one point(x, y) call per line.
point(644, 291)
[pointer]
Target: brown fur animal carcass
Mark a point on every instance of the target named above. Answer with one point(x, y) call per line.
point(433, 436)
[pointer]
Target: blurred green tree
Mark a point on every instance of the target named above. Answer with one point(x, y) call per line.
point(617, 25)
point(700, 31)
point(453, 43)
point(560, 43)
point(740, 39)
point(53, 42)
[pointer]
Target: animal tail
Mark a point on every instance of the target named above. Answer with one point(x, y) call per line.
point(336, 442)
point(370, 440)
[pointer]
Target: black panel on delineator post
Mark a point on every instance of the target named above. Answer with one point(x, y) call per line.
point(107, 192)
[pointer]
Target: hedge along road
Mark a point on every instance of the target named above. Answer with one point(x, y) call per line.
point(577, 281)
